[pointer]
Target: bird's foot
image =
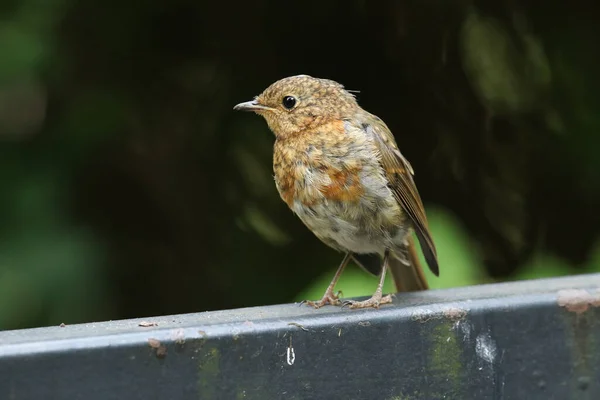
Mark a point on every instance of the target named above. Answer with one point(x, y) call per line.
point(374, 302)
point(328, 298)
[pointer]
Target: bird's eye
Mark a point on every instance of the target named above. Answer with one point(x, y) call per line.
point(289, 102)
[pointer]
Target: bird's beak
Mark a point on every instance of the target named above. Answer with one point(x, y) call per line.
point(251, 106)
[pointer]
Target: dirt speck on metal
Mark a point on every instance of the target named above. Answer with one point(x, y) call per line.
point(297, 325)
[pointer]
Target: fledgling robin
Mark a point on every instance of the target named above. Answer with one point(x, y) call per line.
point(339, 169)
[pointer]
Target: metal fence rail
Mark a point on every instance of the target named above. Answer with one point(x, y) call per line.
point(527, 340)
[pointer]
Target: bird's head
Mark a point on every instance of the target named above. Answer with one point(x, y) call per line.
point(301, 102)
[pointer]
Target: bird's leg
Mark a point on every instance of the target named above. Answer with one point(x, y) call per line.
point(377, 299)
point(329, 297)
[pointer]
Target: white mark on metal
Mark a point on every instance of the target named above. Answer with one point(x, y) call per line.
point(465, 328)
point(485, 347)
point(291, 354)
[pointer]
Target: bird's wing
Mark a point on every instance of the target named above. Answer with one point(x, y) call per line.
point(399, 173)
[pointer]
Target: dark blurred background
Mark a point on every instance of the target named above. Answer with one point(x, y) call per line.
point(129, 187)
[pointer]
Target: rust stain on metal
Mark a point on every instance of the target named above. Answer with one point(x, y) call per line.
point(451, 313)
point(161, 350)
point(425, 316)
point(578, 300)
point(455, 313)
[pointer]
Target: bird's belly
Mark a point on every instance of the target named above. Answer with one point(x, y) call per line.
point(370, 224)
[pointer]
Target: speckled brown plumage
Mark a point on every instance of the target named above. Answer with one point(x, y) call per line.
point(339, 169)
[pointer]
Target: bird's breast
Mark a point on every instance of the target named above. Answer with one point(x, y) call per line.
point(323, 164)
point(333, 180)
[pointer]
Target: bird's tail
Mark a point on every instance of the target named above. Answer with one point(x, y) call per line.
point(406, 269)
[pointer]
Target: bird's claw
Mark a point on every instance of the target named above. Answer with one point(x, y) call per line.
point(374, 302)
point(328, 298)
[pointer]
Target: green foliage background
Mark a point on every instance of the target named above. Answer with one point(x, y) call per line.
point(129, 187)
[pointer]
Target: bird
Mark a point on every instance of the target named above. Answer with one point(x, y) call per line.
point(339, 169)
